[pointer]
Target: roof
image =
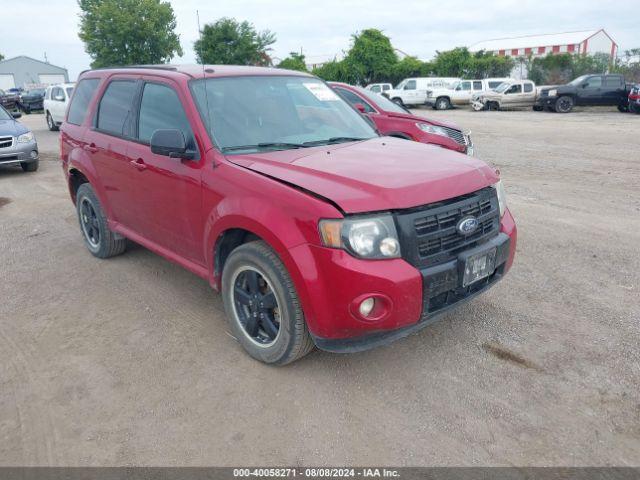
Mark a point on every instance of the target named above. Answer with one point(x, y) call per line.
point(201, 71)
point(19, 57)
point(531, 41)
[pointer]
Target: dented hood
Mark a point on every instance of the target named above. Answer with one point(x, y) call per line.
point(374, 175)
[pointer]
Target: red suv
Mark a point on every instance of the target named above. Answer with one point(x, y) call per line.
point(396, 121)
point(266, 183)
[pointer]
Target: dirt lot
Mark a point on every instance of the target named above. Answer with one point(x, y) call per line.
point(127, 361)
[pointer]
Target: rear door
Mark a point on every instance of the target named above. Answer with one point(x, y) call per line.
point(168, 193)
point(108, 141)
point(529, 91)
point(612, 90)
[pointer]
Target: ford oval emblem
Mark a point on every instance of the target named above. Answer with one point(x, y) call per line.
point(467, 225)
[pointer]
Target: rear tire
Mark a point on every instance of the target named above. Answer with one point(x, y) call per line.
point(623, 108)
point(262, 305)
point(101, 242)
point(30, 166)
point(564, 104)
point(443, 103)
point(51, 123)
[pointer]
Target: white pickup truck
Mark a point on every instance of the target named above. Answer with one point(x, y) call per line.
point(413, 91)
point(461, 92)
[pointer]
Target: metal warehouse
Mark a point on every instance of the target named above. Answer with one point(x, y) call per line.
point(25, 71)
point(587, 41)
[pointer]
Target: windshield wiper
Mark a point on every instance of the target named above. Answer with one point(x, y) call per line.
point(282, 145)
point(334, 140)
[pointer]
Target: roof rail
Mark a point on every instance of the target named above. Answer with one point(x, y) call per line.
point(171, 68)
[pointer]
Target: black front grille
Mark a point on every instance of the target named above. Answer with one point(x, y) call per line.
point(6, 142)
point(429, 235)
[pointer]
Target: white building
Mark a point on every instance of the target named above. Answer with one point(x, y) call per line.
point(587, 41)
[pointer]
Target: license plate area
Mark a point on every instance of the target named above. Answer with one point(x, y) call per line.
point(479, 266)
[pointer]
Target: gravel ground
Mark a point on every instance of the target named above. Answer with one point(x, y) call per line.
point(128, 361)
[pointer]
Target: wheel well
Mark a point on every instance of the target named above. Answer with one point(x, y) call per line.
point(443, 96)
point(227, 242)
point(76, 178)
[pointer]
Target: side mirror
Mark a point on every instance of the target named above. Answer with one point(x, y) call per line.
point(16, 114)
point(170, 143)
point(360, 107)
point(585, 84)
point(59, 98)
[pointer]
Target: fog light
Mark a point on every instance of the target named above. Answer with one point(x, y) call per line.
point(366, 306)
point(34, 154)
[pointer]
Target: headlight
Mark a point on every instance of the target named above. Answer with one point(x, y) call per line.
point(433, 129)
point(502, 199)
point(25, 137)
point(364, 237)
point(553, 93)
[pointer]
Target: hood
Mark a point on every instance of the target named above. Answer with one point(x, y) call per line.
point(416, 118)
point(12, 128)
point(374, 175)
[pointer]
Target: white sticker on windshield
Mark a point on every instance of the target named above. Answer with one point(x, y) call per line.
point(321, 92)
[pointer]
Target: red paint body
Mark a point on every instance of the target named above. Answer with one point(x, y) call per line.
point(180, 208)
point(404, 124)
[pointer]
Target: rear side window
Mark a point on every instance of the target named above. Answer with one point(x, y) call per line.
point(612, 81)
point(477, 85)
point(80, 103)
point(114, 113)
point(386, 87)
point(161, 108)
point(528, 87)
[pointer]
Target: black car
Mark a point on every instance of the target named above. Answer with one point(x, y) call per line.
point(587, 90)
point(9, 100)
point(31, 100)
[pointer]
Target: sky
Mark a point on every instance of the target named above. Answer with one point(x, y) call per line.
point(323, 29)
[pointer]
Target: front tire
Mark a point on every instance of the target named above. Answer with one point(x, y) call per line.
point(100, 241)
point(443, 103)
point(51, 123)
point(30, 166)
point(262, 305)
point(564, 104)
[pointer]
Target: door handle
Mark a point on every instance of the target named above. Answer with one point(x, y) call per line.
point(139, 164)
point(91, 148)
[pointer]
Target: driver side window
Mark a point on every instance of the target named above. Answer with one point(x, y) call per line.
point(515, 89)
point(410, 85)
point(161, 108)
point(593, 82)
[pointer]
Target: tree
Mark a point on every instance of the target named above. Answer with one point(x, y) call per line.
point(295, 61)
point(229, 42)
point(371, 57)
point(126, 32)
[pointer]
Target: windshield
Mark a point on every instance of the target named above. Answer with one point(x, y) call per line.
point(4, 115)
point(275, 112)
point(383, 102)
point(37, 91)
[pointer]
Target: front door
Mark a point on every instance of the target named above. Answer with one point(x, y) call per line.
point(591, 91)
point(168, 192)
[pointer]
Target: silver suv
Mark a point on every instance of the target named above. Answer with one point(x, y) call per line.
point(17, 143)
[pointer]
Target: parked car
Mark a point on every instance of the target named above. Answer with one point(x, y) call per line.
point(56, 101)
point(413, 91)
point(379, 87)
point(634, 99)
point(31, 100)
point(266, 183)
point(587, 90)
point(18, 144)
point(9, 100)
point(394, 120)
point(510, 94)
point(460, 92)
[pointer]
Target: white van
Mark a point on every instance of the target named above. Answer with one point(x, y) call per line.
point(56, 101)
point(379, 87)
point(413, 91)
point(461, 92)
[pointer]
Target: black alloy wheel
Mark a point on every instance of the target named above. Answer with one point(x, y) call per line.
point(256, 306)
